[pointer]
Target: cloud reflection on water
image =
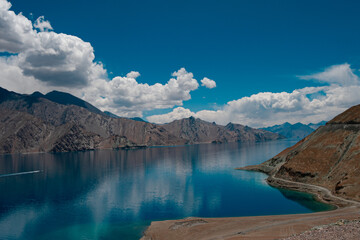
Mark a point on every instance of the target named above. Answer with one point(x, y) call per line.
point(102, 187)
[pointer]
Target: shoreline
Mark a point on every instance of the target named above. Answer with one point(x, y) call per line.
point(140, 146)
point(258, 227)
point(322, 194)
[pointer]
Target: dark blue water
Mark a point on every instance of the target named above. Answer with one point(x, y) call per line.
point(116, 194)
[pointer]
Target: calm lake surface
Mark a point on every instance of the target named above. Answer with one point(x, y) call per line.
point(116, 194)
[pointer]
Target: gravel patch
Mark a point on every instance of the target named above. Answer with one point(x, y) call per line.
point(341, 230)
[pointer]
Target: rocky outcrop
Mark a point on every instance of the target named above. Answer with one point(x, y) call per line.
point(329, 157)
point(75, 138)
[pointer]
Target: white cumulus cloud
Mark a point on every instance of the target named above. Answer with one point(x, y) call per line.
point(42, 24)
point(126, 97)
point(176, 113)
point(133, 74)
point(309, 104)
point(55, 59)
point(45, 60)
point(16, 30)
point(338, 74)
point(208, 83)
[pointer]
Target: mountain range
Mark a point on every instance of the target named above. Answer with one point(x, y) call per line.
point(295, 131)
point(58, 122)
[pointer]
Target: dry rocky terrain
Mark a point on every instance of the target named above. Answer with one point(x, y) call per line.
point(329, 157)
point(341, 230)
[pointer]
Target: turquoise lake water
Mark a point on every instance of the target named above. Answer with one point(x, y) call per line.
point(110, 194)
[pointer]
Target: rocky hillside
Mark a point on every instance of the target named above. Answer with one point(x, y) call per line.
point(58, 122)
point(329, 157)
point(194, 130)
point(38, 124)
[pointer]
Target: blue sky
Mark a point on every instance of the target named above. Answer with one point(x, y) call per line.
point(246, 47)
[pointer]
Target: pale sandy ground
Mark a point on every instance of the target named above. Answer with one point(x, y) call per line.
point(265, 227)
point(260, 227)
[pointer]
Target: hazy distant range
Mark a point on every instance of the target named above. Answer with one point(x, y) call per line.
point(295, 131)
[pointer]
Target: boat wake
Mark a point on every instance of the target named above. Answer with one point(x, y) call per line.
point(19, 173)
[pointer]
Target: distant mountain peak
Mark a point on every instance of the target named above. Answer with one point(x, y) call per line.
point(37, 94)
point(296, 130)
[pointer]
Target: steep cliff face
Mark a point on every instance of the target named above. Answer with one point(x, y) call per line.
point(195, 130)
point(329, 157)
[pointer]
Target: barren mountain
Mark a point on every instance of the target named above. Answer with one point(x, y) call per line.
point(61, 122)
point(33, 123)
point(329, 157)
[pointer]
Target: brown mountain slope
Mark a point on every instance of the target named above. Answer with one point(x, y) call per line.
point(79, 130)
point(329, 157)
point(22, 132)
point(31, 123)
